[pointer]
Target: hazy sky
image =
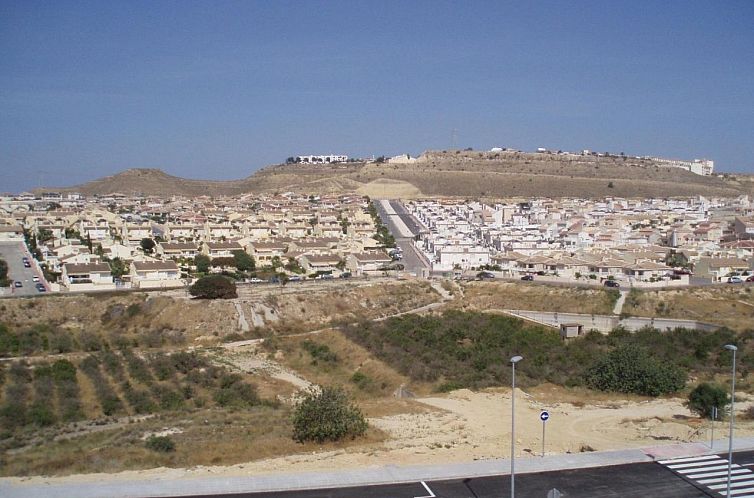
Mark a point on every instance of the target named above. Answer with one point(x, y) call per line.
point(218, 89)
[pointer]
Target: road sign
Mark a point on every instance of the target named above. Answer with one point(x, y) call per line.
point(544, 416)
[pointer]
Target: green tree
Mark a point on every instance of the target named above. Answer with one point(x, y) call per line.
point(202, 263)
point(704, 397)
point(631, 369)
point(147, 245)
point(213, 287)
point(244, 261)
point(43, 235)
point(4, 281)
point(327, 414)
point(118, 267)
point(276, 262)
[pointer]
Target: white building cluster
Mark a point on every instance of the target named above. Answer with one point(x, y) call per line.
point(567, 239)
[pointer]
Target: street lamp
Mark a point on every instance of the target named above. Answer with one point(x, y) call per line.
point(514, 360)
point(731, 347)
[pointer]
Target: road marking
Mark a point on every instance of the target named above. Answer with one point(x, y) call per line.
point(712, 472)
point(697, 469)
point(695, 464)
point(732, 484)
point(430, 495)
point(690, 459)
point(725, 478)
point(724, 473)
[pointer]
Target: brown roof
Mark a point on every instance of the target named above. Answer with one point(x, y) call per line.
point(155, 265)
point(178, 246)
point(72, 269)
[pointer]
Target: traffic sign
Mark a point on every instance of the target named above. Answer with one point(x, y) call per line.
point(544, 416)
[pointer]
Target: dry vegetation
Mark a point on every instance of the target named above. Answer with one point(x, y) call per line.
point(731, 306)
point(456, 173)
point(513, 295)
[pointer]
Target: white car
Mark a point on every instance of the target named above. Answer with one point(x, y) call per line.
point(35, 278)
point(255, 280)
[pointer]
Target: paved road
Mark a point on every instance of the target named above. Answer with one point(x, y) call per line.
point(12, 253)
point(411, 260)
point(627, 481)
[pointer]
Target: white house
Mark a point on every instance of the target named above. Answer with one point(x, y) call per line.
point(87, 277)
point(155, 274)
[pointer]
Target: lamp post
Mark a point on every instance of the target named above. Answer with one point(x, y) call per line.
point(514, 360)
point(731, 347)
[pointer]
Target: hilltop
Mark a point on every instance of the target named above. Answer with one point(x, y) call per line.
point(453, 173)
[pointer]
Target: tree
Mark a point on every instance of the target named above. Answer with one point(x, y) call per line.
point(327, 414)
point(610, 185)
point(276, 262)
point(147, 245)
point(244, 261)
point(214, 287)
point(4, 281)
point(202, 263)
point(705, 397)
point(631, 369)
point(43, 235)
point(118, 267)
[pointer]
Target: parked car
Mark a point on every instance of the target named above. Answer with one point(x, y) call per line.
point(255, 280)
point(41, 288)
point(345, 274)
point(485, 275)
point(17, 284)
point(27, 264)
point(750, 278)
point(35, 278)
point(295, 278)
point(735, 280)
point(528, 277)
point(611, 283)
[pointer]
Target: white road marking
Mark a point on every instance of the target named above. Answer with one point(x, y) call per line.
point(696, 464)
point(697, 469)
point(724, 473)
point(690, 459)
point(724, 478)
point(430, 495)
point(732, 484)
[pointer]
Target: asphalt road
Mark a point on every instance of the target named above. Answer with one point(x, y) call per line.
point(412, 263)
point(626, 481)
point(12, 253)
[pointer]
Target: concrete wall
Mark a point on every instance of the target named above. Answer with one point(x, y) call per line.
point(605, 323)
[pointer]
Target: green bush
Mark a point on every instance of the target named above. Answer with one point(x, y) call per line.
point(319, 352)
point(362, 380)
point(327, 414)
point(213, 287)
point(235, 393)
point(631, 369)
point(704, 397)
point(162, 444)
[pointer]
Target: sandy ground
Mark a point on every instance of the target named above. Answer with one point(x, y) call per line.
point(466, 426)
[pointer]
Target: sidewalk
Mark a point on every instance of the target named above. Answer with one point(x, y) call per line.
point(175, 482)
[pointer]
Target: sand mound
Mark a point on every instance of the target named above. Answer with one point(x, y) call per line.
point(389, 189)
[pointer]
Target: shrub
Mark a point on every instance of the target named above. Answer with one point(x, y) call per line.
point(213, 287)
point(327, 414)
point(631, 369)
point(162, 444)
point(362, 380)
point(319, 352)
point(235, 393)
point(704, 397)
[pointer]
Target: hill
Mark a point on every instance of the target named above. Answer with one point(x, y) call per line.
point(454, 173)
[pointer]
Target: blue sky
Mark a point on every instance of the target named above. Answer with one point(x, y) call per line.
point(219, 89)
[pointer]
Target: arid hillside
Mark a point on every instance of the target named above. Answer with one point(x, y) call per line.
point(455, 173)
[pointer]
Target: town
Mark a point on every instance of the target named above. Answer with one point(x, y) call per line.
point(133, 242)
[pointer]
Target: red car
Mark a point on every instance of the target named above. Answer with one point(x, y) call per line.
point(750, 278)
